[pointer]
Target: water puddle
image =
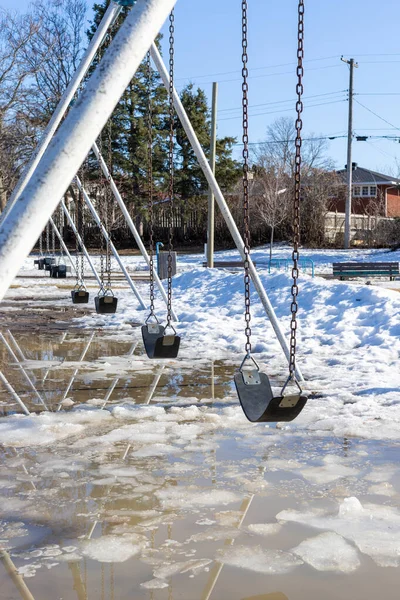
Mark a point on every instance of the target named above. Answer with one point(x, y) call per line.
point(148, 483)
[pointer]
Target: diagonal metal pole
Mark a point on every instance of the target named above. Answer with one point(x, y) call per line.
point(76, 134)
point(237, 238)
point(130, 224)
point(13, 393)
point(80, 241)
point(21, 368)
point(71, 381)
point(108, 239)
point(154, 385)
point(64, 247)
point(108, 19)
point(16, 578)
point(116, 380)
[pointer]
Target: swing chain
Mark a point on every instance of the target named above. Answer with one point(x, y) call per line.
point(171, 164)
point(109, 207)
point(101, 212)
point(81, 231)
point(61, 224)
point(297, 191)
point(150, 179)
point(41, 244)
point(245, 154)
point(48, 238)
point(53, 238)
point(77, 249)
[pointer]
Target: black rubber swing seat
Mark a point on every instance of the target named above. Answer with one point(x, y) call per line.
point(58, 271)
point(258, 402)
point(49, 261)
point(157, 344)
point(106, 304)
point(79, 296)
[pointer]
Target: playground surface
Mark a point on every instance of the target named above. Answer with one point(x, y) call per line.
point(163, 489)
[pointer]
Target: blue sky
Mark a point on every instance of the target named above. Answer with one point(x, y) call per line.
point(208, 48)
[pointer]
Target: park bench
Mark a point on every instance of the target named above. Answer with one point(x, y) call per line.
point(346, 270)
point(227, 264)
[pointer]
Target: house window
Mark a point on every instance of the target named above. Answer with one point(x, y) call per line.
point(372, 191)
point(356, 190)
point(365, 190)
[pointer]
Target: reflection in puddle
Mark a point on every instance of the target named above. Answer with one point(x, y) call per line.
point(150, 484)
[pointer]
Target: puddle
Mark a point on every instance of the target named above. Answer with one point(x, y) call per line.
point(150, 484)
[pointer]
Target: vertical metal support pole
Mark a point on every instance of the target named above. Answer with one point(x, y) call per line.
point(130, 223)
point(82, 245)
point(237, 238)
point(107, 238)
point(109, 17)
point(349, 167)
point(76, 134)
point(14, 394)
point(211, 203)
point(21, 368)
point(64, 247)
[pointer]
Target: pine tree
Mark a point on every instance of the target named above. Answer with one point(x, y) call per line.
point(190, 181)
point(129, 128)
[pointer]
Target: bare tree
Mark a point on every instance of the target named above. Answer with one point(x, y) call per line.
point(318, 186)
point(15, 34)
point(54, 53)
point(280, 148)
point(271, 192)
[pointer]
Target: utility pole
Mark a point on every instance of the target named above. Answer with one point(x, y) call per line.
point(211, 204)
point(347, 223)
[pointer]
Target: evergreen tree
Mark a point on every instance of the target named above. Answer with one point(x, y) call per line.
point(129, 128)
point(190, 181)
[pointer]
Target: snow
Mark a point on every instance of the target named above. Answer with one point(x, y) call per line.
point(255, 558)
point(374, 529)
point(199, 460)
point(328, 552)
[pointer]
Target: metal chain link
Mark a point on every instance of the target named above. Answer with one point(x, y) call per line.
point(53, 237)
point(245, 154)
point(101, 211)
point(297, 191)
point(150, 178)
point(61, 228)
point(82, 234)
point(77, 248)
point(109, 205)
point(48, 238)
point(171, 163)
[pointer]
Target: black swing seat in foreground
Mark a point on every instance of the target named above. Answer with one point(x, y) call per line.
point(259, 403)
point(106, 303)
point(79, 295)
point(158, 344)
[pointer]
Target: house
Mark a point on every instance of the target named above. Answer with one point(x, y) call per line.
point(373, 193)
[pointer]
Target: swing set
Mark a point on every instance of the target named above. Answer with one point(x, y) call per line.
point(162, 342)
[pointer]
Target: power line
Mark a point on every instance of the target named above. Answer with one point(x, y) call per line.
point(274, 112)
point(376, 115)
point(293, 100)
point(255, 68)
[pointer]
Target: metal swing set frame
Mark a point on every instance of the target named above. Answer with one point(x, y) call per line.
point(61, 153)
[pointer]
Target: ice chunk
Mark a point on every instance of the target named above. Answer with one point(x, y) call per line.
point(265, 528)
point(255, 558)
point(109, 548)
point(328, 552)
point(188, 497)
